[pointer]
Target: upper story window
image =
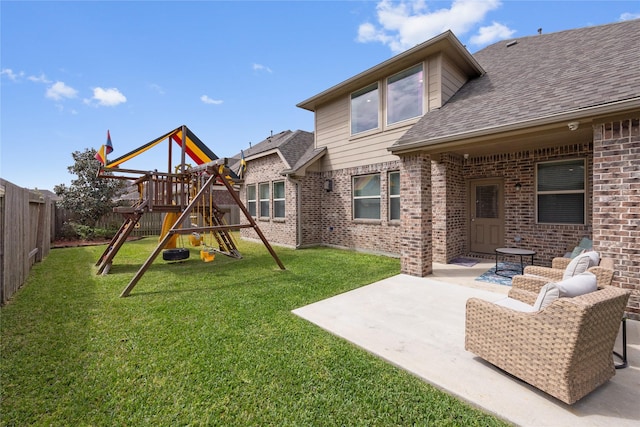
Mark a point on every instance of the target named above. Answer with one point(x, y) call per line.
point(278, 199)
point(366, 197)
point(263, 189)
point(405, 95)
point(560, 188)
point(251, 199)
point(394, 195)
point(364, 109)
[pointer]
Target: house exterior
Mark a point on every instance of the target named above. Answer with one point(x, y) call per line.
point(435, 153)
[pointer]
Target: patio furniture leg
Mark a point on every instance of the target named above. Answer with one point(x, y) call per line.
point(623, 357)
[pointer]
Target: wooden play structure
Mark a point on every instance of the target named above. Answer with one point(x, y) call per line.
point(186, 196)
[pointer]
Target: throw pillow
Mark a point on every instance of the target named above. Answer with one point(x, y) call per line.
point(576, 251)
point(579, 284)
point(594, 257)
point(577, 265)
point(548, 294)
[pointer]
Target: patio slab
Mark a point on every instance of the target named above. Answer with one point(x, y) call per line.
point(417, 324)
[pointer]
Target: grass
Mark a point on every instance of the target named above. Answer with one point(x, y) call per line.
point(201, 344)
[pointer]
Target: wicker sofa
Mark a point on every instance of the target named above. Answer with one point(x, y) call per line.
point(564, 349)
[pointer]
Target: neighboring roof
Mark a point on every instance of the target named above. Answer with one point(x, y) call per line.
point(539, 80)
point(195, 149)
point(445, 42)
point(296, 150)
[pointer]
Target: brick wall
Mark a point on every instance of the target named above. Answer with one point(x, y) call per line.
point(548, 240)
point(616, 202)
point(337, 226)
point(281, 231)
point(415, 215)
point(449, 208)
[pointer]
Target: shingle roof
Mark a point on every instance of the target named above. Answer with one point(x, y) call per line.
point(540, 76)
point(295, 147)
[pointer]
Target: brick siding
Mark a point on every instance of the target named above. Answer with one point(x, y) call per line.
point(548, 240)
point(616, 202)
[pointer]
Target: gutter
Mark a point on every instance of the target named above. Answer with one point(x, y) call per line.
point(615, 107)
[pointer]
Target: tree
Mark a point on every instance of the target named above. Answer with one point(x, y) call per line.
point(88, 196)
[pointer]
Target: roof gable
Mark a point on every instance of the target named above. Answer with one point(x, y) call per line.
point(295, 149)
point(537, 78)
point(445, 42)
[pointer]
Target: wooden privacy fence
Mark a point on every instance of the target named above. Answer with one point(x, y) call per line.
point(26, 227)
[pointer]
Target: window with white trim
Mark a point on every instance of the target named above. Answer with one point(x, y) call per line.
point(366, 197)
point(251, 199)
point(393, 183)
point(561, 192)
point(405, 95)
point(263, 189)
point(278, 199)
point(365, 107)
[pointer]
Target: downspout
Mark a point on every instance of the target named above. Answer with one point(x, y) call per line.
point(298, 209)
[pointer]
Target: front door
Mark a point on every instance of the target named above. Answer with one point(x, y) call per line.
point(487, 215)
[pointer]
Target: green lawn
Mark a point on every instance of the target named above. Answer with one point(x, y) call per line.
point(201, 344)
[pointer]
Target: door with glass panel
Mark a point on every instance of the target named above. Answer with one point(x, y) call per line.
point(486, 209)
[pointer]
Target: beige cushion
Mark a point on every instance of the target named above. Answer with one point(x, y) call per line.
point(548, 294)
point(578, 265)
point(579, 284)
point(594, 257)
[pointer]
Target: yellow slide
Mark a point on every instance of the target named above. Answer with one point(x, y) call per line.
point(169, 220)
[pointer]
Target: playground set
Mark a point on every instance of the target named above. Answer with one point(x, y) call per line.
point(186, 195)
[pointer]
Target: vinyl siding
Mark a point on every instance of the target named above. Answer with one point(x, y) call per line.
point(452, 79)
point(333, 131)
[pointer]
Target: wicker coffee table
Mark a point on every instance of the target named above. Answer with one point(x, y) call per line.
point(513, 251)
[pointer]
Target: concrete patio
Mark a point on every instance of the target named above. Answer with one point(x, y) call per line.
point(418, 325)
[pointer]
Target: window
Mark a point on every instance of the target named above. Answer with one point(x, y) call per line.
point(561, 192)
point(364, 109)
point(251, 199)
point(405, 95)
point(394, 195)
point(278, 199)
point(366, 197)
point(264, 199)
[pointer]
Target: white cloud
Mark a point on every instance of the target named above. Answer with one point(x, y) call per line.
point(207, 100)
point(39, 79)
point(59, 90)
point(492, 33)
point(404, 24)
point(107, 97)
point(260, 67)
point(628, 16)
point(10, 74)
point(156, 88)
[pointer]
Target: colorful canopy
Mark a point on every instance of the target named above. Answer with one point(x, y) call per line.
point(194, 148)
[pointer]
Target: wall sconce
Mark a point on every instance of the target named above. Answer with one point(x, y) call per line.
point(518, 186)
point(328, 185)
point(573, 125)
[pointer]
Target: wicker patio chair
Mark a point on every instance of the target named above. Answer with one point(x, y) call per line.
point(526, 287)
point(564, 349)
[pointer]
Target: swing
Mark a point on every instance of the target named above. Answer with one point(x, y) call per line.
point(207, 254)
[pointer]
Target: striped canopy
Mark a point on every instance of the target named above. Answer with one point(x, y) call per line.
point(194, 148)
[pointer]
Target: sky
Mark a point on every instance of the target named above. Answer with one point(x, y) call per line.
point(231, 71)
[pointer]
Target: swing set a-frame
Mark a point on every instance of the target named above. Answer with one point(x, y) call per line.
point(186, 192)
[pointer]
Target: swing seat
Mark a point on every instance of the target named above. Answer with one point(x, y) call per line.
point(177, 254)
point(207, 255)
point(195, 239)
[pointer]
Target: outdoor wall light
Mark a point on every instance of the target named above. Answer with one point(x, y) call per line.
point(518, 186)
point(328, 185)
point(573, 125)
